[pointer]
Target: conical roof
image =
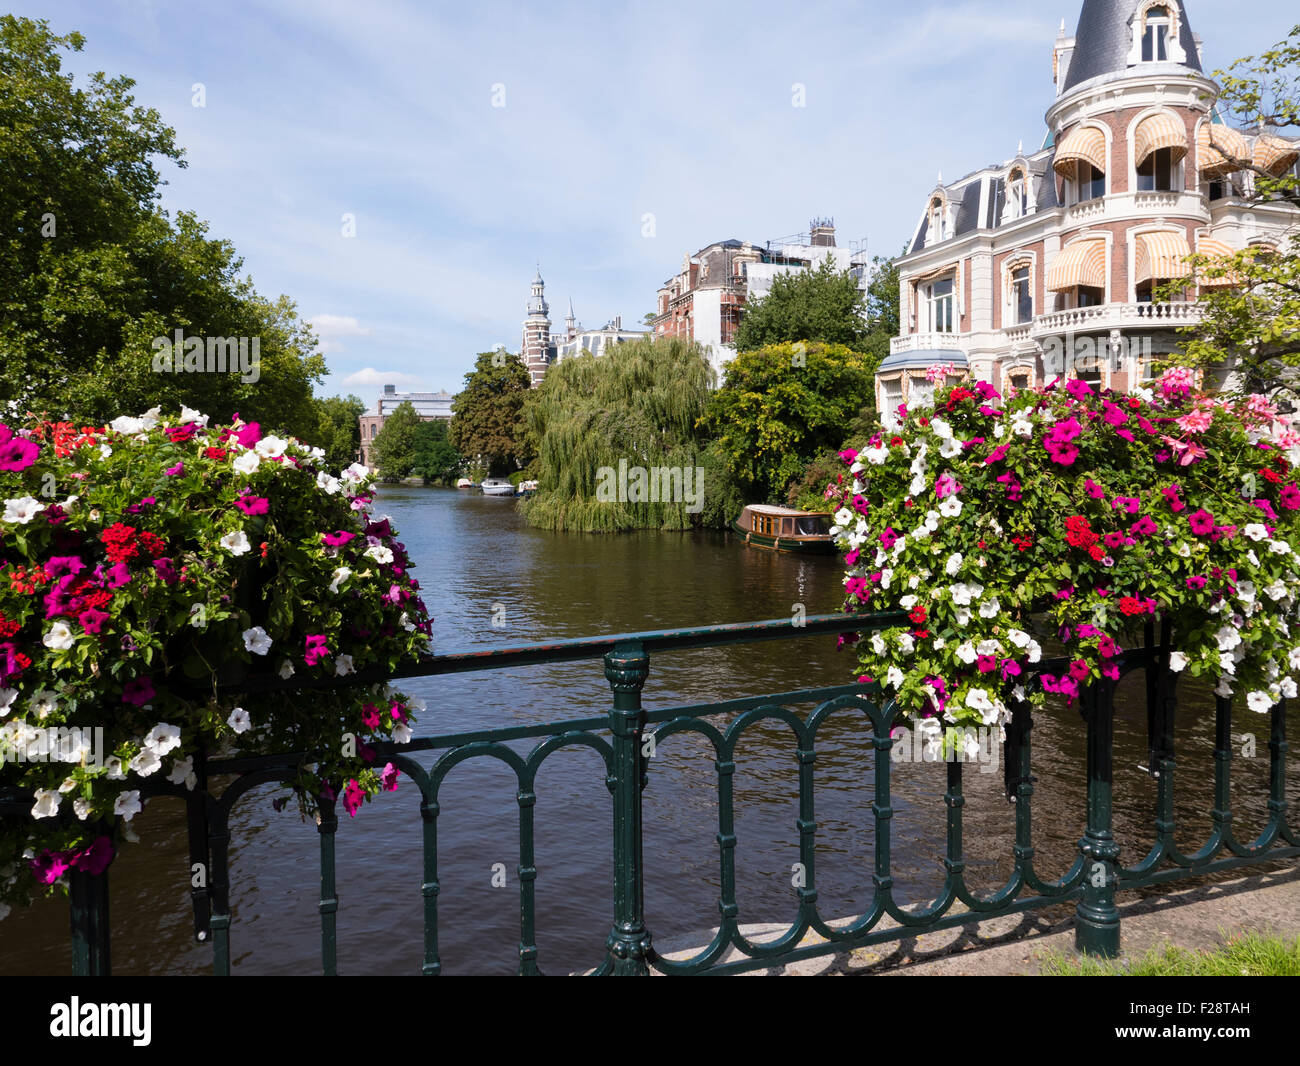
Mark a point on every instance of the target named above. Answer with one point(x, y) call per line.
point(1104, 40)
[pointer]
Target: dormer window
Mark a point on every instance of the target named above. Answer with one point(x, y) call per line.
point(1155, 35)
point(937, 224)
point(1017, 195)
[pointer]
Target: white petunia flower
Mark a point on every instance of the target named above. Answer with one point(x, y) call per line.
point(340, 577)
point(1255, 531)
point(183, 773)
point(1228, 638)
point(343, 666)
point(21, 510)
point(47, 803)
point(843, 516)
point(941, 428)
point(877, 644)
point(1184, 550)
point(966, 652)
point(1177, 661)
point(1223, 689)
point(894, 678)
point(379, 553)
point(7, 697)
point(950, 448)
point(81, 808)
point(247, 462)
point(256, 640)
point(271, 447)
point(876, 456)
point(964, 592)
point(355, 473)
point(236, 543)
point(990, 608)
point(145, 763)
point(906, 643)
point(330, 485)
point(239, 720)
point(1279, 547)
point(401, 733)
point(953, 564)
point(163, 738)
point(188, 414)
point(951, 507)
point(114, 767)
point(59, 638)
point(286, 669)
point(1259, 701)
point(128, 805)
point(917, 486)
point(1035, 651)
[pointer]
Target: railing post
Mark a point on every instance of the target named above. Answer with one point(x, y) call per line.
point(1096, 922)
point(89, 912)
point(626, 668)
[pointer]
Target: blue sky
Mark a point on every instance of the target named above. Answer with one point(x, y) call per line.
point(384, 110)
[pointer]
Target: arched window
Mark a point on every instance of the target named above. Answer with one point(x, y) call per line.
point(1156, 27)
point(1017, 194)
point(937, 221)
point(1020, 292)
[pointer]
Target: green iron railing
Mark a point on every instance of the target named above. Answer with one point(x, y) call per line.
point(617, 735)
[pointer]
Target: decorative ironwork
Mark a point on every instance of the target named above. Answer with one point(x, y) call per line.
point(619, 737)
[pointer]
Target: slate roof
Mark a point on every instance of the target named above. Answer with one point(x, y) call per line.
point(1105, 36)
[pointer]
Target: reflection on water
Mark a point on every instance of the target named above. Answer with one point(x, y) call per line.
point(476, 561)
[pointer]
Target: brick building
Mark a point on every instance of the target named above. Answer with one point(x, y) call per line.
point(704, 301)
point(428, 405)
point(1047, 263)
point(541, 347)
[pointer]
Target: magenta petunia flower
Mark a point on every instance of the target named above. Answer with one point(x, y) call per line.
point(353, 794)
point(92, 619)
point(60, 565)
point(986, 663)
point(49, 866)
point(1196, 582)
point(249, 434)
point(388, 777)
point(1290, 497)
point(138, 691)
point(315, 649)
point(1078, 669)
point(851, 559)
point(172, 471)
point(16, 453)
point(1143, 527)
point(370, 716)
point(1202, 522)
point(888, 538)
point(849, 455)
point(166, 571)
point(253, 505)
point(117, 576)
point(997, 454)
point(95, 858)
point(336, 540)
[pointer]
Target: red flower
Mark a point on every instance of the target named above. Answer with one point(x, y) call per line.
point(917, 614)
point(1079, 534)
point(153, 544)
point(1097, 552)
point(896, 442)
point(215, 453)
point(119, 542)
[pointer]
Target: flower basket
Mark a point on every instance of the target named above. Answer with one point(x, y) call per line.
point(144, 566)
point(1092, 515)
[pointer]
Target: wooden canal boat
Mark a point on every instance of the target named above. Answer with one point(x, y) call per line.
point(785, 529)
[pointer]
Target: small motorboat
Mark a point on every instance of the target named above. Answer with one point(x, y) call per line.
point(497, 486)
point(464, 483)
point(785, 529)
point(527, 488)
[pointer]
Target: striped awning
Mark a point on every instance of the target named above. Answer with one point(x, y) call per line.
point(1085, 143)
point(1217, 147)
point(1081, 263)
point(1216, 251)
point(1161, 256)
point(1159, 131)
point(1274, 154)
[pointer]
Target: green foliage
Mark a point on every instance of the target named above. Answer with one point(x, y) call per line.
point(1248, 339)
point(394, 448)
point(1247, 955)
point(435, 458)
point(487, 425)
point(781, 405)
point(809, 492)
point(91, 271)
point(339, 432)
point(822, 305)
point(638, 404)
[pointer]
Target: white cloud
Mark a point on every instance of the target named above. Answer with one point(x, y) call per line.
point(330, 329)
point(379, 378)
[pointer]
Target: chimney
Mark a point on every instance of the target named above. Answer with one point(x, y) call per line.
point(823, 232)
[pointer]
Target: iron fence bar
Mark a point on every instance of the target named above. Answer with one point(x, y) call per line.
point(88, 894)
point(327, 824)
point(1096, 923)
point(626, 668)
point(196, 802)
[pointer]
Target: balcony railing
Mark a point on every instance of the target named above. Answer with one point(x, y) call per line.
point(619, 731)
point(914, 342)
point(1118, 316)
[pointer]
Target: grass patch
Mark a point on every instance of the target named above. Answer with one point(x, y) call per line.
point(1247, 955)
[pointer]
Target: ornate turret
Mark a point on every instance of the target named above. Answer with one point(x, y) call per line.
point(1115, 36)
point(536, 348)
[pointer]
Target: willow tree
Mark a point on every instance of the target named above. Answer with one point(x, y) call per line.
point(599, 420)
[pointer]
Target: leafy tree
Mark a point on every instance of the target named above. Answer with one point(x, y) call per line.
point(638, 406)
point(339, 432)
point(435, 458)
point(820, 304)
point(1248, 339)
point(92, 271)
point(781, 405)
point(487, 414)
point(394, 449)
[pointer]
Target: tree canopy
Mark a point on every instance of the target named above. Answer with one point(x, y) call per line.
point(340, 432)
point(821, 304)
point(487, 414)
point(435, 458)
point(781, 405)
point(394, 447)
point(93, 274)
point(601, 418)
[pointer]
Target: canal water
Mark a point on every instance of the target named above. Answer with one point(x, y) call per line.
point(491, 580)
